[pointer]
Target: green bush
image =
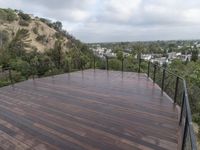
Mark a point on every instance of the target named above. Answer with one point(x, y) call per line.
point(5, 79)
point(17, 76)
point(23, 23)
point(7, 15)
point(21, 66)
point(35, 30)
point(196, 118)
point(41, 38)
point(24, 16)
point(4, 37)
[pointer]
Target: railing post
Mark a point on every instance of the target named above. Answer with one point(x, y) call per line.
point(163, 79)
point(184, 133)
point(122, 64)
point(33, 70)
point(94, 62)
point(10, 75)
point(149, 63)
point(139, 65)
point(154, 73)
point(81, 64)
point(176, 89)
point(107, 65)
point(182, 107)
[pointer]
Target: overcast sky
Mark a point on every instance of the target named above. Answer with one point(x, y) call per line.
point(118, 20)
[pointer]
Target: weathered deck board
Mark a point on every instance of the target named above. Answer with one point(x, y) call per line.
point(91, 110)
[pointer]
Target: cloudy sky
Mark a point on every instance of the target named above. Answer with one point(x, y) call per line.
point(118, 20)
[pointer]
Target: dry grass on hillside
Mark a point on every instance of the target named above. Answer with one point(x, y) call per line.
point(42, 30)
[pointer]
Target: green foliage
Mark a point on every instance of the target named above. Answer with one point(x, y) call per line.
point(5, 80)
point(4, 38)
point(195, 53)
point(114, 64)
point(58, 35)
point(24, 16)
point(57, 25)
point(7, 15)
point(35, 30)
point(41, 38)
point(4, 57)
point(21, 66)
point(120, 55)
point(23, 23)
point(191, 72)
point(17, 45)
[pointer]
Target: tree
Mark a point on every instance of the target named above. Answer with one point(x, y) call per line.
point(120, 55)
point(57, 26)
point(24, 16)
point(56, 54)
point(17, 46)
point(138, 49)
point(195, 53)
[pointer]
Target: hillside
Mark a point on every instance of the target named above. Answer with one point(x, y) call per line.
point(28, 45)
point(40, 35)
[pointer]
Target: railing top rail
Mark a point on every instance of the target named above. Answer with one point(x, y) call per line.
point(189, 116)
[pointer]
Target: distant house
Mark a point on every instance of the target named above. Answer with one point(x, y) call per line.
point(186, 57)
point(172, 55)
point(146, 56)
point(161, 61)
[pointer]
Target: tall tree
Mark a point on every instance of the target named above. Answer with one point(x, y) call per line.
point(195, 54)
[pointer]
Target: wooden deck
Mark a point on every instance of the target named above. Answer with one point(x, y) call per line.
point(87, 111)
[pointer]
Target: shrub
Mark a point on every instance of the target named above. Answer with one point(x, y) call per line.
point(16, 77)
point(41, 38)
point(35, 30)
point(4, 37)
point(21, 66)
point(23, 23)
point(24, 16)
point(58, 35)
point(8, 15)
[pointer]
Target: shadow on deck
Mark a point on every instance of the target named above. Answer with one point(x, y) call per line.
point(93, 110)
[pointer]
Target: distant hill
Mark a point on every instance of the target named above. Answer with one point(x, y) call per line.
point(37, 33)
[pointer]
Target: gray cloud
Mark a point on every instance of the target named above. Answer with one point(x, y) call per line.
point(119, 20)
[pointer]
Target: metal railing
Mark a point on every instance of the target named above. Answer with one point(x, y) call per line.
point(175, 87)
point(106, 63)
point(10, 75)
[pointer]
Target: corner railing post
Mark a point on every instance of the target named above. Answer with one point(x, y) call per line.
point(149, 63)
point(176, 89)
point(154, 73)
point(163, 79)
point(10, 75)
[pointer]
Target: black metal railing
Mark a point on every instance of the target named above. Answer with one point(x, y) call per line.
point(123, 64)
point(11, 74)
point(175, 87)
